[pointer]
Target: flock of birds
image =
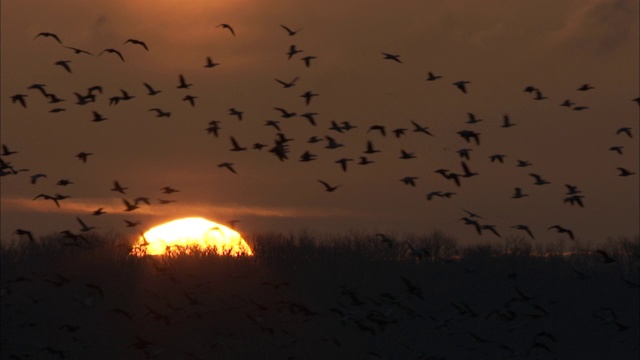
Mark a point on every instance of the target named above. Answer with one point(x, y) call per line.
point(281, 147)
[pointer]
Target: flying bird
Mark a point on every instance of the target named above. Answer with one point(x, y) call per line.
point(119, 188)
point(307, 60)
point(112, 51)
point(432, 77)
point(25, 232)
point(289, 31)
point(168, 190)
point(329, 188)
point(210, 63)
point(462, 85)
point(539, 179)
point(506, 122)
point(129, 206)
point(288, 84)
point(624, 172)
point(292, 51)
point(393, 57)
point(227, 26)
point(83, 156)
point(64, 64)
point(308, 95)
point(78, 51)
point(84, 227)
point(20, 99)
point(6, 151)
point(236, 146)
point(524, 228)
point(234, 112)
point(183, 83)
point(48, 34)
point(150, 90)
point(228, 166)
point(137, 42)
point(562, 230)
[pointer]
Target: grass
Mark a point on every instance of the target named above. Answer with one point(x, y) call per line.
point(310, 296)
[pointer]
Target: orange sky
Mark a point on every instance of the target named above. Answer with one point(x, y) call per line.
point(499, 46)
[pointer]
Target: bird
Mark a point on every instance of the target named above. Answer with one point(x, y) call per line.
point(462, 85)
point(624, 130)
point(236, 146)
point(405, 155)
point(191, 99)
point(472, 119)
point(6, 151)
point(160, 112)
point(137, 42)
point(523, 163)
point(35, 177)
point(419, 128)
point(343, 163)
point(169, 190)
point(617, 149)
point(118, 188)
point(284, 113)
point(19, 98)
point(524, 228)
point(84, 227)
point(497, 157)
point(562, 230)
point(234, 112)
point(227, 26)
point(572, 189)
point(228, 166)
point(491, 228)
point(308, 95)
point(48, 34)
point(25, 232)
point(409, 180)
point(585, 87)
point(78, 51)
point(48, 197)
point(132, 223)
point(468, 135)
point(606, 258)
point(97, 117)
point(539, 96)
point(64, 182)
point(518, 194)
point(379, 128)
point(83, 156)
point(393, 57)
point(506, 122)
point(150, 90)
point(574, 199)
point(472, 214)
point(567, 103)
point(329, 188)
point(112, 51)
point(210, 63)
point(310, 116)
point(307, 60)
point(539, 179)
point(370, 149)
point(183, 83)
point(624, 172)
point(289, 31)
point(287, 84)
point(432, 77)
point(98, 212)
point(293, 50)
point(129, 206)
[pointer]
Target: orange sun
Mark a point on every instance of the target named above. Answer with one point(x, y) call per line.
point(185, 235)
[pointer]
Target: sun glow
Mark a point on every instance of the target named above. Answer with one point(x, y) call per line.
point(189, 234)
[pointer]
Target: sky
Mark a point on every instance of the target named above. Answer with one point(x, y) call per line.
point(499, 47)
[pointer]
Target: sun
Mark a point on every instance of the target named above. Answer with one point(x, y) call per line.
point(189, 234)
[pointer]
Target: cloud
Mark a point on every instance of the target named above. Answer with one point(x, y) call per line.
point(598, 26)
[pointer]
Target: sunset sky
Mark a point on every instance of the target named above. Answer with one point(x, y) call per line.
point(499, 47)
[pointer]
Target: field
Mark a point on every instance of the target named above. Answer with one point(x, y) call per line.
point(302, 296)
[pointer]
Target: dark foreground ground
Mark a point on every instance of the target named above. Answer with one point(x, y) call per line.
point(357, 297)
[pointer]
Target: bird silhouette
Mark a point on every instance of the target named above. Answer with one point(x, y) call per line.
point(237, 113)
point(329, 188)
point(20, 99)
point(308, 95)
point(562, 230)
point(289, 31)
point(151, 91)
point(432, 77)
point(293, 50)
point(518, 194)
point(183, 83)
point(506, 122)
point(169, 190)
point(49, 35)
point(137, 42)
point(210, 63)
point(462, 85)
point(539, 180)
point(112, 51)
point(235, 145)
point(624, 172)
point(307, 60)
point(78, 51)
point(228, 166)
point(160, 112)
point(118, 188)
point(395, 58)
point(228, 27)
point(27, 233)
point(84, 227)
point(287, 84)
point(524, 228)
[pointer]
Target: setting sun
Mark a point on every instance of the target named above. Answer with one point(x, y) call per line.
point(185, 235)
